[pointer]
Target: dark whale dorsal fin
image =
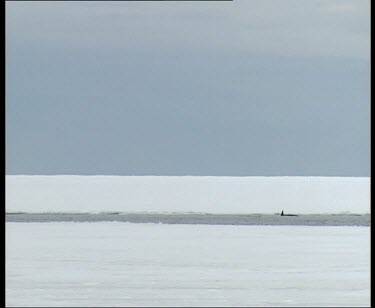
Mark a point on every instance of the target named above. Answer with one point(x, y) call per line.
point(282, 213)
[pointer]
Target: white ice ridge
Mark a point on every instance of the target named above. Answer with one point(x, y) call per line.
point(208, 194)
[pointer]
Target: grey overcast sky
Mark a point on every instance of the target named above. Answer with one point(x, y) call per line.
point(249, 87)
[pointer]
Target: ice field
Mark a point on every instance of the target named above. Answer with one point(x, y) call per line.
point(70, 241)
point(126, 264)
point(208, 194)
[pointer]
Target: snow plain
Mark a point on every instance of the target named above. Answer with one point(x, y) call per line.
point(123, 264)
point(268, 195)
point(112, 264)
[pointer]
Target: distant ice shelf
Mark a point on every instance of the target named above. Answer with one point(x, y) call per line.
point(183, 194)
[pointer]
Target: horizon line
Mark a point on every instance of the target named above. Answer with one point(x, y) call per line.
point(188, 175)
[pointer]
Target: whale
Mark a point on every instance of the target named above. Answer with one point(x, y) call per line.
point(282, 214)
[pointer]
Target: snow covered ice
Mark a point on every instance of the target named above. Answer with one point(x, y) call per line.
point(125, 264)
point(151, 264)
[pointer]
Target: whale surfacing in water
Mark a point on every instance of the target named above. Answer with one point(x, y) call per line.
point(282, 214)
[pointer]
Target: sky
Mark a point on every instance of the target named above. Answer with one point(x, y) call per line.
point(240, 88)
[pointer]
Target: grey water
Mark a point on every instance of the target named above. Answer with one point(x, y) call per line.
point(198, 218)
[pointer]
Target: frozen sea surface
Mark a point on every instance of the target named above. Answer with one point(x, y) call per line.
point(125, 264)
point(209, 194)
